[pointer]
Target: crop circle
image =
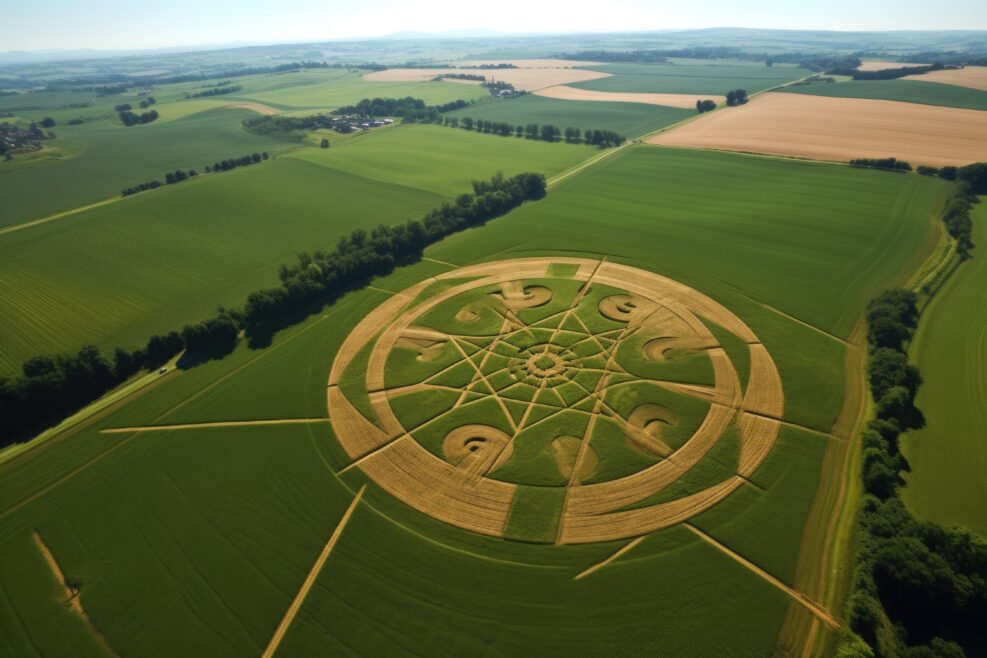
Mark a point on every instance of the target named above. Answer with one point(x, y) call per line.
point(555, 399)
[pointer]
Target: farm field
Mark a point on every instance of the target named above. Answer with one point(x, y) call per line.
point(210, 241)
point(844, 128)
point(96, 161)
point(441, 159)
point(947, 482)
point(714, 79)
point(908, 91)
point(205, 510)
point(974, 77)
point(629, 119)
point(522, 78)
point(681, 101)
point(436, 391)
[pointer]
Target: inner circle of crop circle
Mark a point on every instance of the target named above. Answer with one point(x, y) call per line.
point(556, 400)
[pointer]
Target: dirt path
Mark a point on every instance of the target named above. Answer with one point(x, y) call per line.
point(811, 605)
point(71, 595)
point(60, 215)
point(227, 423)
point(621, 551)
point(296, 605)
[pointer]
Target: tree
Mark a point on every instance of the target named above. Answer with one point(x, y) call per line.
point(324, 143)
point(736, 97)
point(48, 122)
point(519, 131)
point(550, 133)
point(531, 131)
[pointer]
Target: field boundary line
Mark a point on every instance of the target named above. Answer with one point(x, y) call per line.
point(441, 262)
point(809, 604)
point(805, 324)
point(296, 604)
point(222, 423)
point(621, 551)
point(71, 596)
point(60, 215)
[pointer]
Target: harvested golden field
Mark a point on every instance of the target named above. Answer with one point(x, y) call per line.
point(530, 63)
point(840, 129)
point(566, 93)
point(527, 79)
point(974, 77)
point(880, 66)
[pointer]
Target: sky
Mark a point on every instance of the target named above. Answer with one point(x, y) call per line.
point(102, 24)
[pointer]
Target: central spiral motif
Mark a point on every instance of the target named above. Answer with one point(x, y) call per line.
point(556, 400)
point(543, 365)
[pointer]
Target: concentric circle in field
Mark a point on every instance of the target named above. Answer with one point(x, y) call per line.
point(555, 399)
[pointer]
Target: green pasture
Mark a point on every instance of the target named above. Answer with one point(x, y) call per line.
point(628, 119)
point(947, 481)
point(908, 91)
point(711, 79)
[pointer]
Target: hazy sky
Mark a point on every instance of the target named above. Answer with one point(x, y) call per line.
point(102, 24)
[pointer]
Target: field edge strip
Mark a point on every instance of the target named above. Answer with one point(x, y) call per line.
point(207, 425)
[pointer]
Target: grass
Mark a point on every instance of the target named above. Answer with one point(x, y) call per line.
point(908, 91)
point(158, 260)
point(712, 79)
point(947, 482)
point(443, 160)
point(628, 119)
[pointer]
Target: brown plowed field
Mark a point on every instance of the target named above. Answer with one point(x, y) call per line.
point(839, 129)
point(685, 101)
point(974, 77)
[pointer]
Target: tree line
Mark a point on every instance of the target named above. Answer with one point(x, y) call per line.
point(889, 164)
point(919, 589)
point(52, 387)
point(215, 91)
point(545, 132)
point(890, 74)
point(736, 97)
point(179, 175)
point(132, 119)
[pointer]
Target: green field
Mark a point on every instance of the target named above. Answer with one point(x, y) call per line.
point(213, 530)
point(96, 160)
point(187, 248)
point(948, 457)
point(708, 218)
point(907, 91)
point(712, 79)
point(440, 159)
point(628, 119)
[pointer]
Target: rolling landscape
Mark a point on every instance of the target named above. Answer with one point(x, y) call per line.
point(589, 342)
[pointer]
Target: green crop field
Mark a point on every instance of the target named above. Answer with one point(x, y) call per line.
point(622, 417)
point(629, 119)
point(948, 478)
point(442, 159)
point(233, 518)
point(190, 247)
point(908, 91)
point(709, 79)
point(96, 160)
